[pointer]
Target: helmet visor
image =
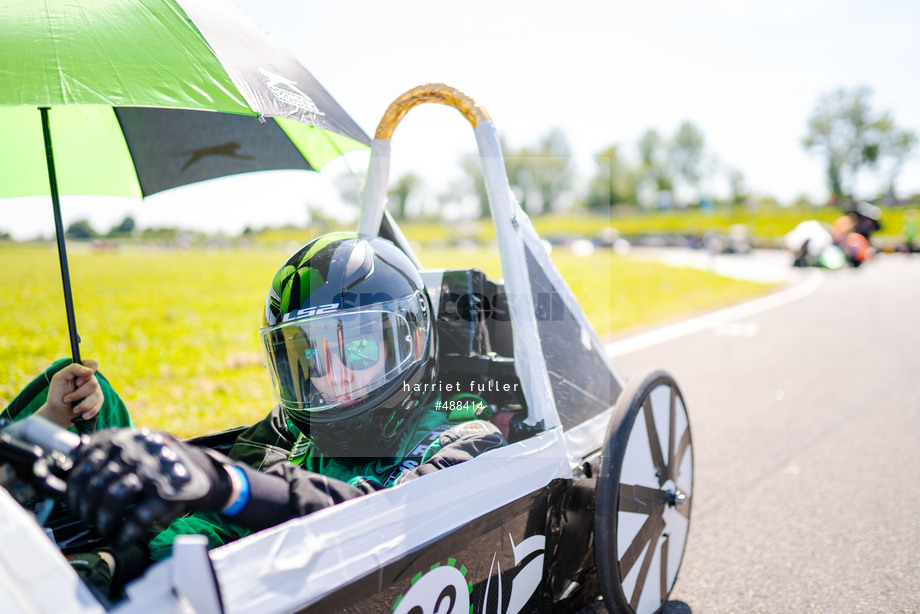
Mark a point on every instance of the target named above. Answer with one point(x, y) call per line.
point(333, 360)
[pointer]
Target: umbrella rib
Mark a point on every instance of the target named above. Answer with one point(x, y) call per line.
point(121, 129)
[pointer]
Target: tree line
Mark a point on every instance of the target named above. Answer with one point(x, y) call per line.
point(853, 138)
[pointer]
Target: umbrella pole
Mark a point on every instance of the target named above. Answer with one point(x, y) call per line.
point(59, 232)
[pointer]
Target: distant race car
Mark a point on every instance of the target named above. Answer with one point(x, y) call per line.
point(591, 498)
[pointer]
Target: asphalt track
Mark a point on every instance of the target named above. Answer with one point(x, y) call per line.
point(805, 417)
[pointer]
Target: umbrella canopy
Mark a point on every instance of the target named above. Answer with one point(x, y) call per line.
point(132, 97)
point(133, 87)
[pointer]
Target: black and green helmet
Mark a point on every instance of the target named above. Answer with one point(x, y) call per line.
point(350, 344)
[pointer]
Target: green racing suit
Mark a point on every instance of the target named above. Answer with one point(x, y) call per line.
point(274, 446)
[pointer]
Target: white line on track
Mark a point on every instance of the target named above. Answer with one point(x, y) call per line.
point(701, 323)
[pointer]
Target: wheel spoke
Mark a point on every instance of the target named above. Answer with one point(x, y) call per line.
point(642, 538)
point(684, 508)
point(681, 450)
point(654, 443)
point(663, 590)
point(640, 499)
point(656, 530)
point(672, 426)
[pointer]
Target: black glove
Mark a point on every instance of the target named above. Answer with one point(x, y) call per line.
point(124, 481)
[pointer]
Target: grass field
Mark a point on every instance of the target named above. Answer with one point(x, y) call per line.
point(176, 332)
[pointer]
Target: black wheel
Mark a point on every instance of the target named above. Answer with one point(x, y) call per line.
point(644, 493)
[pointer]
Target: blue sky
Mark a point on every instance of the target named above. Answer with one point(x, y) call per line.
point(747, 74)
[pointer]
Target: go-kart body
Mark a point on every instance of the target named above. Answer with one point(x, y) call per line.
point(513, 530)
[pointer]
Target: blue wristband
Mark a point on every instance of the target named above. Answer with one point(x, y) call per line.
point(237, 506)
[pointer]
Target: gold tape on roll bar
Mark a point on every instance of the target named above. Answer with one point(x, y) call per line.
point(429, 92)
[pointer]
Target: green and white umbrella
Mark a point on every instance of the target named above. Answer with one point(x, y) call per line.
point(132, 97)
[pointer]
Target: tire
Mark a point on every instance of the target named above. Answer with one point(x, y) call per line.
point(643, 500)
